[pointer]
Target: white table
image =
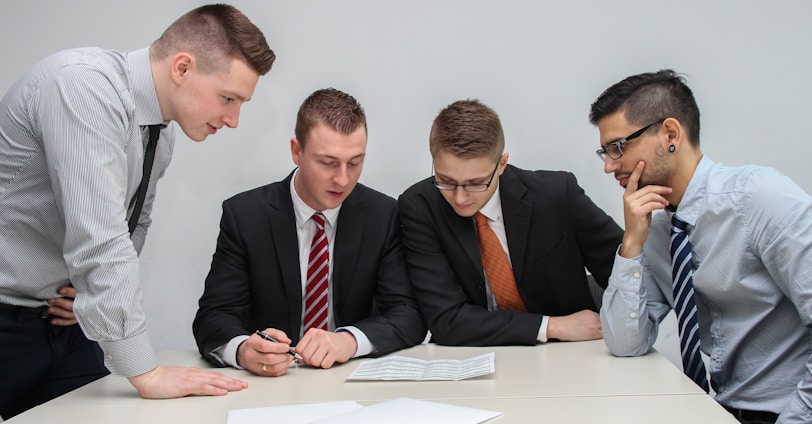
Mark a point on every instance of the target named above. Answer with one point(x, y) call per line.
point(556, 382)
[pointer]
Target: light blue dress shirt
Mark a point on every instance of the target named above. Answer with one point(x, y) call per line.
point(751, 228)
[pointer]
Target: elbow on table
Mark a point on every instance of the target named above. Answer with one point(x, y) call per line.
point(619, 348)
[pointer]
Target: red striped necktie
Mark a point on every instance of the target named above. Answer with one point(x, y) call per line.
point(318, 266)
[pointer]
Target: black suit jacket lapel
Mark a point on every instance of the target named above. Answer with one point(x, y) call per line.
point(517, 215)
point(285, 239)
point(347, 249)
point(464, 230)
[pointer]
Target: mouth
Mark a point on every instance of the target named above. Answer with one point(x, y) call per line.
point(212, 129)
point(623, 180)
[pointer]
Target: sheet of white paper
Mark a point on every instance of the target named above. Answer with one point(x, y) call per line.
point(291, 414)
point(402, 368)
point(406, 410)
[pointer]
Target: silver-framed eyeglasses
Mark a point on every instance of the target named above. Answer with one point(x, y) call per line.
point(615, 149)
point(471, 188)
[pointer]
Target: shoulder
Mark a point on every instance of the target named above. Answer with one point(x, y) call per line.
point(539, 178)
point(419, 189)
point(363, 195)
point(539, 183)
point(81, 62)
point(752, 182)
point(261, 195)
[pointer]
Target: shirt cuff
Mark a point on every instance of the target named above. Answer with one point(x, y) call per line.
point(542, 336)
point(627, 273)
point(364, 346)
point(228, 353)
point(129, 357)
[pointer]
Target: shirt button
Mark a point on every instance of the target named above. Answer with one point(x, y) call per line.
point(633, 315)
point(636, 275)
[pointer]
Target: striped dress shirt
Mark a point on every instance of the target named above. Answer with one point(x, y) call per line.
point(72, 138)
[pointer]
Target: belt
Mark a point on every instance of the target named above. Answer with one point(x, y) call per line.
point(42, 311)
point(761, 416)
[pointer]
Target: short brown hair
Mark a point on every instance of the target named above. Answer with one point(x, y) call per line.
point(334, 108)
point(467, 129)
point(215, 34)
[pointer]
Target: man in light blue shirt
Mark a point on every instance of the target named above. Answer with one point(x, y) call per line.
point(751, 232)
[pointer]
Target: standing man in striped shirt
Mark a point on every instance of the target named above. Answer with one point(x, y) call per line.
point(73, 132)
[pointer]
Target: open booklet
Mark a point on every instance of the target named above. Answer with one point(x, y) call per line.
point(394, 411)
point(402, 368)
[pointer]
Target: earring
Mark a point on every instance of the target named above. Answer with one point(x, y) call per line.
point(672, 148)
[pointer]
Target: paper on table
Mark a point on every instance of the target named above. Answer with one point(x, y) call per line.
point(291, 414)
point(406, 410)
point(402, 368)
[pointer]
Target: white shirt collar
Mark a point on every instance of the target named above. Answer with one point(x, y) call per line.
point(303, 212)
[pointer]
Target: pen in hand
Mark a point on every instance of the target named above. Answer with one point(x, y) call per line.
point(271, 339)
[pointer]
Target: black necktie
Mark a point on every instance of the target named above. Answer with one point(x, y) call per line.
point(149, 158)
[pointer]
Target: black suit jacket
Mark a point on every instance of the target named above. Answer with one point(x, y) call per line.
point(553, 230)
point(255, 279)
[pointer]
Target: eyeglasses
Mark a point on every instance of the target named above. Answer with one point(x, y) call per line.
point(471, 188)
point(615, 149)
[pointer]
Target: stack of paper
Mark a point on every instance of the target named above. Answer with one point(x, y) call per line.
point(402, 368)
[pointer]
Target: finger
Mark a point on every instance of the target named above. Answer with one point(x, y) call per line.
point(68, 292)
point(63, 322)
point(631, 186)
point(223, 381)
point(61, 313)
point(214, 384)
point(267, 347)
point(278, 335)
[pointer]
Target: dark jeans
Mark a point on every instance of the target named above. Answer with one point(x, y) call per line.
point(753, 417)
point(40, 361)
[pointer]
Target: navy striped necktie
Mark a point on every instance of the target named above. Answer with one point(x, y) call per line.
point(682, 271)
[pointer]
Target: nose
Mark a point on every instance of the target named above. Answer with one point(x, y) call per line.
point(610, 165)
point(340, 178)
point(460, 195)
point(232, 117)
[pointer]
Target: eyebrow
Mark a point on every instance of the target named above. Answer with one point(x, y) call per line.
point(236, 96)
point(358, 156)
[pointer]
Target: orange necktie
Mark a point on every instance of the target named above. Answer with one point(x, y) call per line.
point(497, 267)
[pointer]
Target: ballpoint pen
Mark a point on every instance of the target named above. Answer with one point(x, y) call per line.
point(271, 339)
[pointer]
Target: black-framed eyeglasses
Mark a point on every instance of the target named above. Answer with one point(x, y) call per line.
point(615, 149)
point(471, 188)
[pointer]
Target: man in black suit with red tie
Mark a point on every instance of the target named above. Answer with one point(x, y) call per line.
point(496, 254)
point(315, 235)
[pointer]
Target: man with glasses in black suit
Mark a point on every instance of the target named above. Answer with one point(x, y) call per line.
point(498, 255)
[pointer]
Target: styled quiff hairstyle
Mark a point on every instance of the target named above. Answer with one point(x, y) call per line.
point(645, 98)
point(467, 129)
point(215, 34)
point(334, 108)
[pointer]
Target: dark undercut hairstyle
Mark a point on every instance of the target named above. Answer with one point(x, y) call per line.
point(467, 129)
point(330, 107)
point(647, 97)
point(215, 34)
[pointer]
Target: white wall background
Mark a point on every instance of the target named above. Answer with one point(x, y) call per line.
point(539, 64)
